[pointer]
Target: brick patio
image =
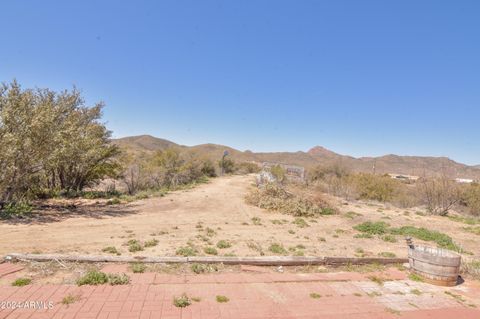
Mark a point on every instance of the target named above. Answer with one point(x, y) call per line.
point(252, 295)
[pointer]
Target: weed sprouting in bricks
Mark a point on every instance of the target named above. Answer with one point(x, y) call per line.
point(20, 282)
point(138, 267)
point(222, 299)
point(182, 302)
point(93, 277)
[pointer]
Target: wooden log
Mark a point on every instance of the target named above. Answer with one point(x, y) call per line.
point(363, 261)
point(258, 261)
point(95, 258)
point(261, 261)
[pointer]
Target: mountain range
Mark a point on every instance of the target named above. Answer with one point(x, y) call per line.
point(316, 156)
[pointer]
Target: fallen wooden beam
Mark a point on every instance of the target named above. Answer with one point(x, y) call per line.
point(363, 261)
point(258, 261)
point(95, 258)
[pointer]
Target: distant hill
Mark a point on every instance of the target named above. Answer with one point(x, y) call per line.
point(411, 165)
point(144, 143)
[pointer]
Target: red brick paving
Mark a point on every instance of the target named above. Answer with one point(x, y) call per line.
point(8, 268)
point(252, 295)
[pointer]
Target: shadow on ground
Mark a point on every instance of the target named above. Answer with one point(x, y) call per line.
point(51, 213)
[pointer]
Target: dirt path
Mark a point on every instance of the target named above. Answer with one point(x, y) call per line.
point(215, 204)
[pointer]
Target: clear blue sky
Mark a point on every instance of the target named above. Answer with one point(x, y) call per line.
point(358, 77)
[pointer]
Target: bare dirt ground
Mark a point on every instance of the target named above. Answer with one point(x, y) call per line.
point(211, 212)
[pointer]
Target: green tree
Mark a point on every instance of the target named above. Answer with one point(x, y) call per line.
point(52, 141)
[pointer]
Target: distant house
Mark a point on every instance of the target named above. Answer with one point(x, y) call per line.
point(464, 180)
point(404, 177)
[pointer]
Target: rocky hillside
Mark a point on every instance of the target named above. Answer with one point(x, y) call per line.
point(411, 165)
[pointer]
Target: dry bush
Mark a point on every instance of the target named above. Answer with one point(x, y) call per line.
point(279, 173)
point(471, 267)
point(471, 198)
point(166, 169)
point(376, 187)
point(247, 168)
point(406, 195)
point(439, 194)
point(276, 198)
point(335, 179)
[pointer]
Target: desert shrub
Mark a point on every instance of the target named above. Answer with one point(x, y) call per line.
point(277, 249)
point(108, 194)
point(117, 279)
point(372, 228)
point(247, 168)
point(323, 172)
point(186, 251)
point(441, 239)
point(138, 267)
point(208, 169)
point(222, 299)
point(473, 230)
point(464, 219)
point(440, 194)
point(51, 141)
point(471, 198)
point(16, 209)
point(300, 222)
point(279, 173)
point(406, 195)
point(228, 165)
point(164, 170)
point(111, 250)
point(151, 243)
point(334, 179)
point(389, 238)
point(114, 201)
point(70, 299)
point(471, 267)
point(276, 198)
point(222, 244)
point(134, 246)
point(375, 187)
point(202, 268)
point(182, 301)
point(210, 251)
point(93, 277)
point(20, 282)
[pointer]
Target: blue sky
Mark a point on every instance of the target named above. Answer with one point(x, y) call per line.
point(358, 77)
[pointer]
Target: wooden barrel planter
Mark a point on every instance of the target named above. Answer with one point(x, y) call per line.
point(435, 265)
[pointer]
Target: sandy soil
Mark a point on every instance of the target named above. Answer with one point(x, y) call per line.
point(182, 217)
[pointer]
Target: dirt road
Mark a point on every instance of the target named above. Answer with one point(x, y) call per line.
point(215, 204)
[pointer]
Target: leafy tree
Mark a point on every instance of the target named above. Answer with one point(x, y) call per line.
point(51, 141)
